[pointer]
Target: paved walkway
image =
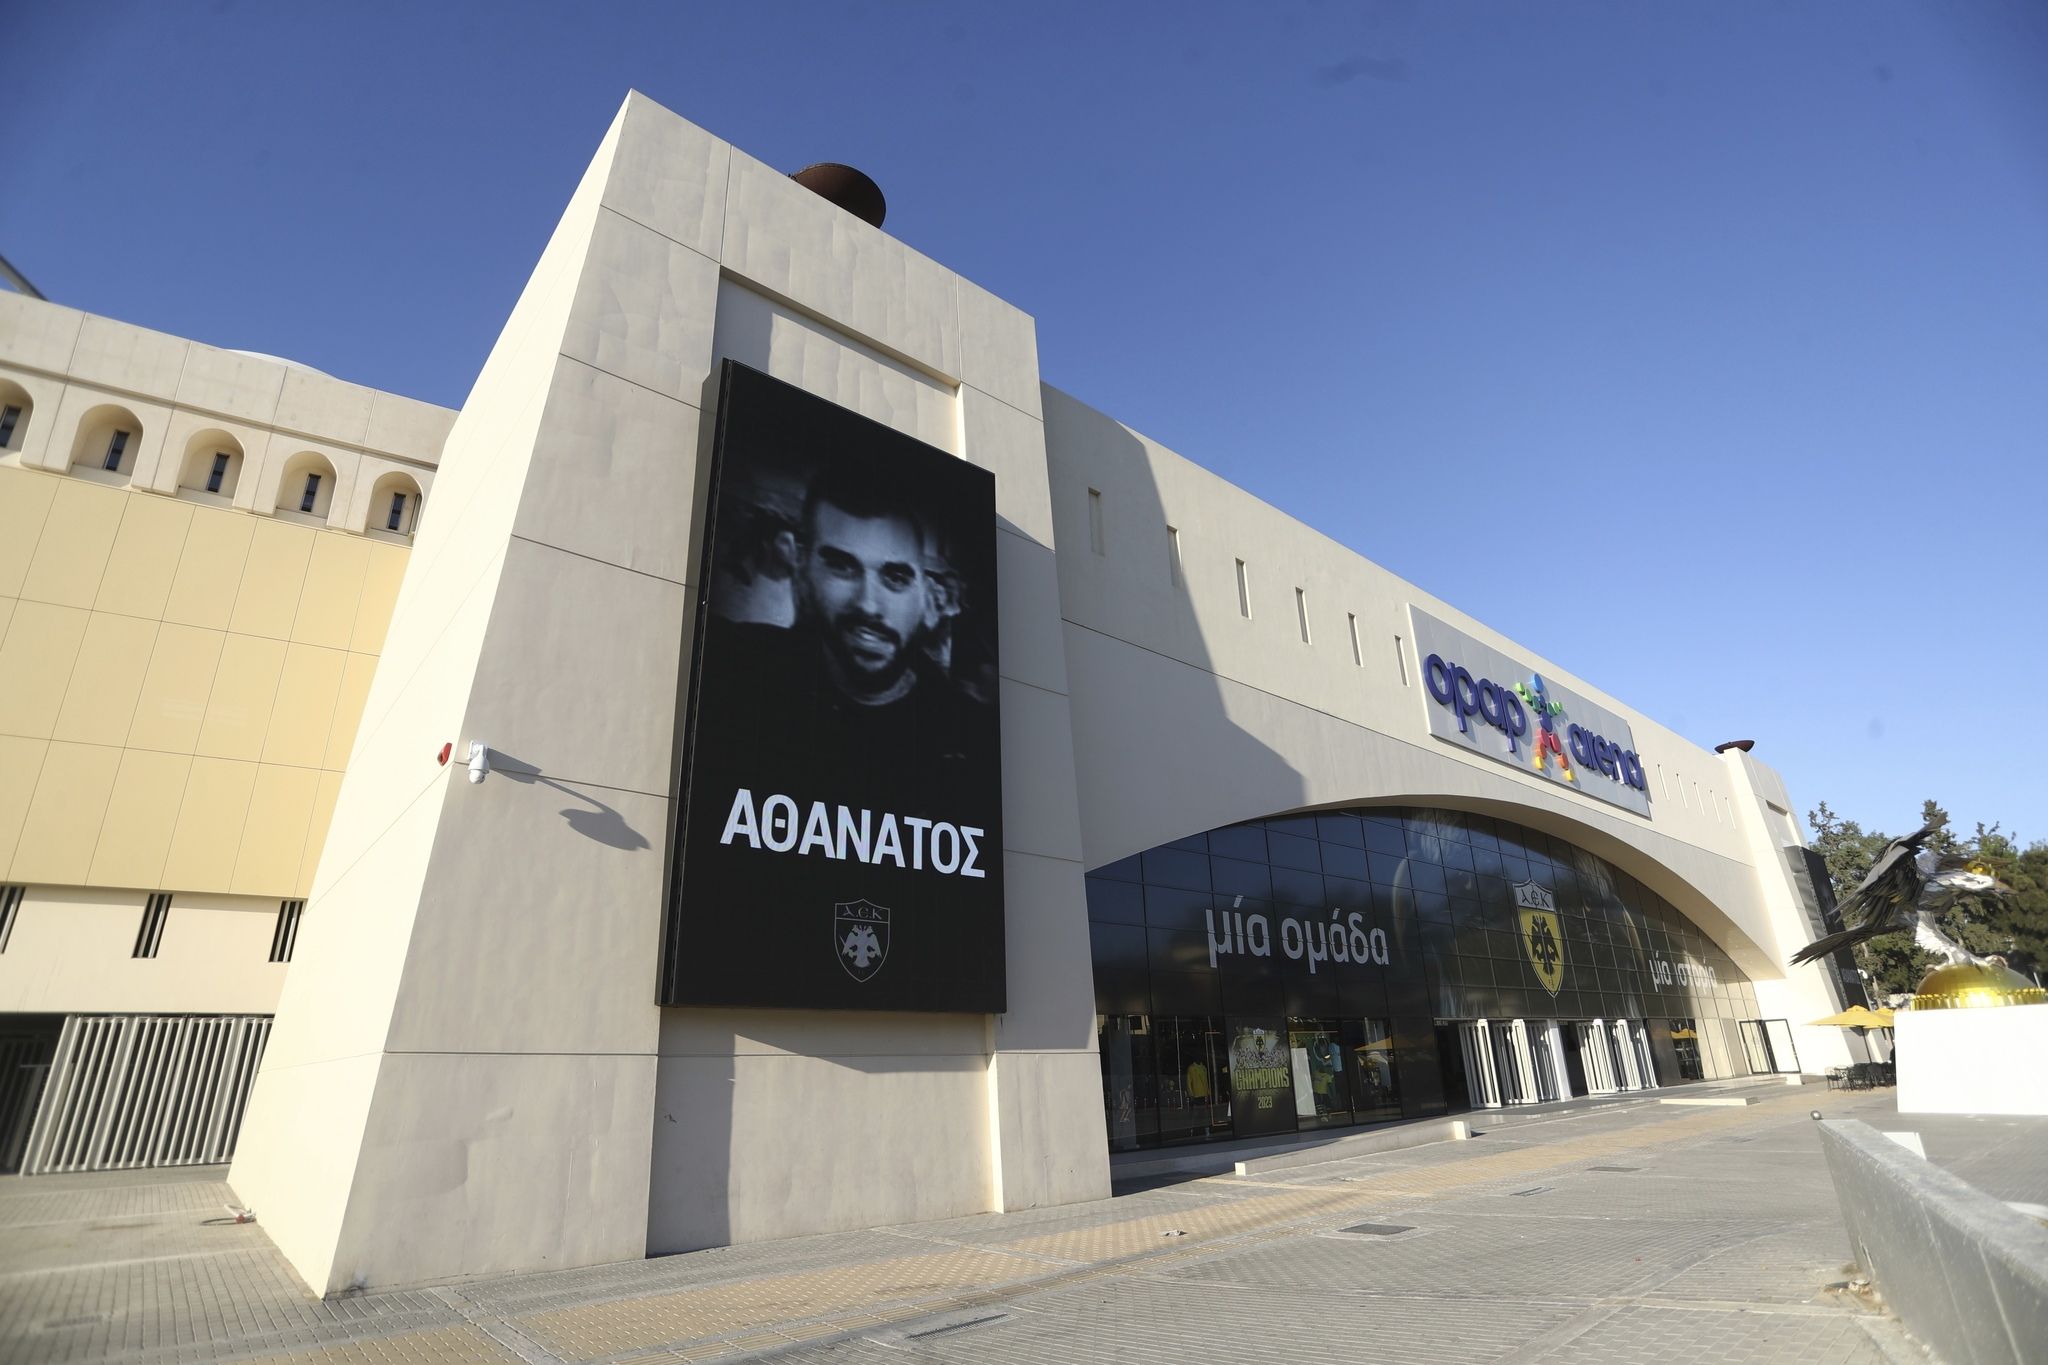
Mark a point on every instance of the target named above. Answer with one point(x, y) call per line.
point(1627, 1233)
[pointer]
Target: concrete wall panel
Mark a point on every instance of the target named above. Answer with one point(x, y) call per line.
point(115, 355)
point(562, 943)
point(1045, 930)
point(788, 243)
point(41, 336)
point(547, 1170)
point(644, 309)
point(73, 952)
point(851, 1142)
point(230, 383)
point(998, 348)
point(669, 175)
point(578, 682)
point(627, 474)
point(1050, 1111)
point(798, 349)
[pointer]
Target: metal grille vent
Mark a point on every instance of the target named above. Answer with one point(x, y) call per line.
point(145, 1090)
point(287, 932)
point(151, 933)
point(10, 904)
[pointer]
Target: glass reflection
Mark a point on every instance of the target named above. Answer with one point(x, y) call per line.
point(1449, 1007)
point(1322, 1083)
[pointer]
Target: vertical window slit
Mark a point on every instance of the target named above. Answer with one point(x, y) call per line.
point(1244, 592)
point(1400, 659)
point(286, 934)
point(1301, 613)
point(1095, 520)
point(150, 935)
point(1174, 572)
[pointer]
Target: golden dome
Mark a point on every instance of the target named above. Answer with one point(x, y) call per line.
point(1967, 985)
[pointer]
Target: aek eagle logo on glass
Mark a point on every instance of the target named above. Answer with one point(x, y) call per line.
point(1542, 935)
point(860, 937)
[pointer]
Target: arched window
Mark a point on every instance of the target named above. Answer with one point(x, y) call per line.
point(394, 505)
point(15, 407)
point(213, 464)
point(108, 437)
point(307, 485)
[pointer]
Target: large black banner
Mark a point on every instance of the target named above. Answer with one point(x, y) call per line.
point(839, 818)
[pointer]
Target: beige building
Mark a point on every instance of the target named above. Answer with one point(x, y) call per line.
point(199, 550)
point(231, 678)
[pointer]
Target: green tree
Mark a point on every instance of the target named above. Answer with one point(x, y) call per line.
point(1941, 841)
point(1844, 847)
point(2014, 926)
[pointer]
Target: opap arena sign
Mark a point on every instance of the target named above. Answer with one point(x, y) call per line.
point(1478, 698)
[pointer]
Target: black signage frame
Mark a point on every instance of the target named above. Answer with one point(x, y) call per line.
point(837, 840)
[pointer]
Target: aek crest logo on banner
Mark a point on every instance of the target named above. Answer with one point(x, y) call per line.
point(860, 935)
point(1542, 935)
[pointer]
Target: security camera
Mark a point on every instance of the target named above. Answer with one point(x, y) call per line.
point(479, 760)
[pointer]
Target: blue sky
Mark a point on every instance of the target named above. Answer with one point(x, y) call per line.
point(1700, 347)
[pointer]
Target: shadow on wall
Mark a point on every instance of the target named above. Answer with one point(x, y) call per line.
point(1148, 698)
point(1164, 744)
point(600, 821)
point(690, 1175)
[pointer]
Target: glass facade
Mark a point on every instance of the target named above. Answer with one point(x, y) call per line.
point(1324, 970)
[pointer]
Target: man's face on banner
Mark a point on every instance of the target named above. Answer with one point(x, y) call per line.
point(862, 581)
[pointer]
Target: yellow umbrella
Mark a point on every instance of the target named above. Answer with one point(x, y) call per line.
point(1856, 1017)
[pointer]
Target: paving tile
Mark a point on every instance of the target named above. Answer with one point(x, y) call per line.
point(1719, 1246)
point(1638, 1334)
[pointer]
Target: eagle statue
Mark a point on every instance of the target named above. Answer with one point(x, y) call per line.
point(1908, 888)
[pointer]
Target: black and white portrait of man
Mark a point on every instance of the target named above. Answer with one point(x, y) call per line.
point(843, 738)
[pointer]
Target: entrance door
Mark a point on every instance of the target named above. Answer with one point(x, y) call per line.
point(1123, 1042)
point(1626, 1064)
point(1482, 1076)
point(1540, 1042)
point(1500, 1046)
point(1574, 1064)
point(1685, 1042)
point(1639, 1041)
point(1596, 1051)
point(27, 1042)
point(1450, 1060)
point(1767, 1046)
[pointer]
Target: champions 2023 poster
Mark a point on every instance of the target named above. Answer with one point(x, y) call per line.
point(840, 807)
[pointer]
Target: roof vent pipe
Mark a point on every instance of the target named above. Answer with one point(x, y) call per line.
point(846, 187)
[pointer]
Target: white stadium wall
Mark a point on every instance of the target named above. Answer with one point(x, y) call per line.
point(469, 1073)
